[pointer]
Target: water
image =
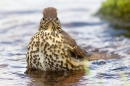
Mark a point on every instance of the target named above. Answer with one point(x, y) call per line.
point(19, 20)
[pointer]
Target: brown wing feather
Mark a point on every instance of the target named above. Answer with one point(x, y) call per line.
point(75, 50)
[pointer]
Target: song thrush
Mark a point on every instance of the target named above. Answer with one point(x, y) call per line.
point(51, 48)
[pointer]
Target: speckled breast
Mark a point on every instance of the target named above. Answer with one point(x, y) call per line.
point(54, 51)
point(46, 51)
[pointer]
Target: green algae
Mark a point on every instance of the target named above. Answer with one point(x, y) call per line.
point(117, 12)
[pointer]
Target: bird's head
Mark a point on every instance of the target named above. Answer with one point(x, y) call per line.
point(50, 20)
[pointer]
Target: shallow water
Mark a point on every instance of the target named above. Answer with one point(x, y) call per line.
point(19, 20)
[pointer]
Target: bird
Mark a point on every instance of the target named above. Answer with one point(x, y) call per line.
point(53, 49)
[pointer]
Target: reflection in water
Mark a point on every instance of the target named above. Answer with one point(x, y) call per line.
point(58, 78)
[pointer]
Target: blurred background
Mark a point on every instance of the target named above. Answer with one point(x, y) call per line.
point(99, 26)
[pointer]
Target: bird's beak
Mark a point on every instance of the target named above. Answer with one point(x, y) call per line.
point(50, 19)
point(50, 25)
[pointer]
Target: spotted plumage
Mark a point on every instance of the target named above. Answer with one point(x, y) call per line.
point(51, 48)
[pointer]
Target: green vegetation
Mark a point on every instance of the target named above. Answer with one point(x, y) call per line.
point(117, 12)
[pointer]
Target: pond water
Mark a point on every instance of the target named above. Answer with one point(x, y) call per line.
point(19, 20)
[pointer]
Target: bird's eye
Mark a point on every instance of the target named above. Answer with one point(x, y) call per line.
point(43, 19)
point(57, 20)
